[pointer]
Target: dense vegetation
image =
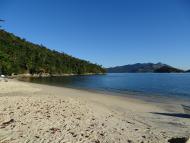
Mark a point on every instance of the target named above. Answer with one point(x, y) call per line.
point(19, 56)
point(143, 68)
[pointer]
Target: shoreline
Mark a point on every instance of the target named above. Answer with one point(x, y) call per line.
point(166, 103)
point(134, 94)
point(36, 113)
point(44, 75)
point(149, 98)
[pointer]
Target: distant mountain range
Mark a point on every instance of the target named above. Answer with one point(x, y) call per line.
point(144, 68)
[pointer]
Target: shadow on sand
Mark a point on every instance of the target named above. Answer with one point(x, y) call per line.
point(179, 115)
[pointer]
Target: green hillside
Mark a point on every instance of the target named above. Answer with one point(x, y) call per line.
point(19, 56)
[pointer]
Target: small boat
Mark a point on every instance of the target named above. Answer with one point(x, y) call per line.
point(186, 109)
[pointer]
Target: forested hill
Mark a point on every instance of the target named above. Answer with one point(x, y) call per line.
point(143, 68)
point(19, 56)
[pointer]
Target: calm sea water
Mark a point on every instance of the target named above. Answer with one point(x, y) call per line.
point(170, 85)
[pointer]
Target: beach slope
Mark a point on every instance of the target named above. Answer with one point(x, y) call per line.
point(41, 113)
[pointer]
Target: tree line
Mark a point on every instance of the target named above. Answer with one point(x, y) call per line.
point(19, 56)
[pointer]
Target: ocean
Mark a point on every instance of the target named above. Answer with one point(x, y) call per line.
point(142, 84)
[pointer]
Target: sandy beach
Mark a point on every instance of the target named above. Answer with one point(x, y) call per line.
point(34, 113)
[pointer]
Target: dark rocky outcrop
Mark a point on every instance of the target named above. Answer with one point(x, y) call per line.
point(178, 140)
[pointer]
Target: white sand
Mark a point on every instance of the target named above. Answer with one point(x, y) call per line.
point(33, 113)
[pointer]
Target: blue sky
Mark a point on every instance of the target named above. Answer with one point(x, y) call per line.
point(107, 32)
